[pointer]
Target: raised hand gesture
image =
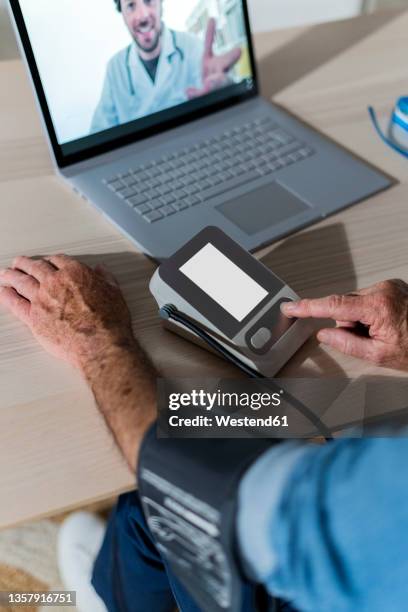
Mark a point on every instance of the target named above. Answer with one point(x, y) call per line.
point(214, 67)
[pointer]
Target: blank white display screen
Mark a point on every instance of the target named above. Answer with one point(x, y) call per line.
point(224, 281)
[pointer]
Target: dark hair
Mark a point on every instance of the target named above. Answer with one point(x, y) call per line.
point(117, 4)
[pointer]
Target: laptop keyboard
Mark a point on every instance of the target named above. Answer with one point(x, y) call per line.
point(196, 174)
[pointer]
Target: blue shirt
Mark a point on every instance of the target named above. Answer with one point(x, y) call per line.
point(128, 91)
point(326, 528)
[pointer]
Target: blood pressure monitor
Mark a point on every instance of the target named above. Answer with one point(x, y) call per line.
point(217, 291)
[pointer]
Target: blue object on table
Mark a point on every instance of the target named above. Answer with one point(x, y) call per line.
point(397, 137)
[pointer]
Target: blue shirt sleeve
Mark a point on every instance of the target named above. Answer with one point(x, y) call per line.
point(326, 528)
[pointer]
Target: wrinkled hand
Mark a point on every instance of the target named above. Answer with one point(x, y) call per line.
point(74, 312)
point(371, 324)
point(215, 67)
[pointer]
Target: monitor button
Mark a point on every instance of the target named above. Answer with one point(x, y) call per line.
point(260, 338)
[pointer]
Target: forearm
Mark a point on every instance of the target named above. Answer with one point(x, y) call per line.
point(80, 315)
point(124, 385)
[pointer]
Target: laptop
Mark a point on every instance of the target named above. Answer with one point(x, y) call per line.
point(153, 114)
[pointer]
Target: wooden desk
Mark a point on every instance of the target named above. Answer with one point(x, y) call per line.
point(54, 450)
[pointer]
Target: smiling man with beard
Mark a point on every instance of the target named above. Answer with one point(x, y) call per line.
point(159, 69)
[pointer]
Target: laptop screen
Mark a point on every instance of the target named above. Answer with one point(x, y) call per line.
point(111, 69)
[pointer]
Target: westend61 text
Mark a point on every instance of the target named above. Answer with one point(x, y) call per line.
point(228, 421)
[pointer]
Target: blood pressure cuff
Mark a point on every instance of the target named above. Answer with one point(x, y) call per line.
point(189, 489)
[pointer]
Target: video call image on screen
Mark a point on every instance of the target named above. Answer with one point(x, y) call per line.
point(104, 63)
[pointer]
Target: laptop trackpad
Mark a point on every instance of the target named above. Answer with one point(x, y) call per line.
point(259, 209)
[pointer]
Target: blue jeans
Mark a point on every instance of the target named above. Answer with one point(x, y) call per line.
point(129, 573)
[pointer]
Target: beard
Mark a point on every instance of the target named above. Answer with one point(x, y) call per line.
point(152, 46)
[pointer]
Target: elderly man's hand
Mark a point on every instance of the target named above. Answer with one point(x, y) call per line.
point(372, 324)
point(73, 311)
